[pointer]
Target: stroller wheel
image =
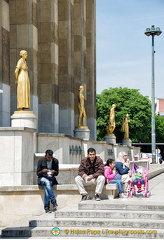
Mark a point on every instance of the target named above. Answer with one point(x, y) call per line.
point(148, 194)
point(145, 194)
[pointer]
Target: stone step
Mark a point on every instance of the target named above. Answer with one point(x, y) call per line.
point(123, 204)
point(81, 232)
point(98, 222)
point(116, 214)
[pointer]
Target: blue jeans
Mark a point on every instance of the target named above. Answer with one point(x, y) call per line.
point(137, 180)
point(118, 177)
point(48, 192)
point(119, 184)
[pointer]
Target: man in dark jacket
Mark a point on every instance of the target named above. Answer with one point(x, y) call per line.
point(91, 171)
point(47, 169)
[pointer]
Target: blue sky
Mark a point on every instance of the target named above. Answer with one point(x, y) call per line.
point(123, 50)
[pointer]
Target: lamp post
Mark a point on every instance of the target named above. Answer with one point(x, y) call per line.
point(152, 32)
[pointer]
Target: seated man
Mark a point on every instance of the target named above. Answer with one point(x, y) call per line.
point(91, 171)
point(47, 169)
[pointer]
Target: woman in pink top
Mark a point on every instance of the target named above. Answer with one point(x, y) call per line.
point(110, 174)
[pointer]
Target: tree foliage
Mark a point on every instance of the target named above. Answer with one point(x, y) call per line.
point(128, 101)
point(159, 129)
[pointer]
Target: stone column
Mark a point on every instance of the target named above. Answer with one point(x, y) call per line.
point(91, 66)
point(48, 66)
point(24, 36)
point(66, 61)
point(79, 50)
point(4, 64)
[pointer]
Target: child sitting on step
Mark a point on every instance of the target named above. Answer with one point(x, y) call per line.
point(111, 176)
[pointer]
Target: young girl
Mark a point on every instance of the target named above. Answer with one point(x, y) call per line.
point(110, 174)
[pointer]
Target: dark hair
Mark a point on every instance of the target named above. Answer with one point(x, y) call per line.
point(91, 150)
point(49, 152)
point(109, 161)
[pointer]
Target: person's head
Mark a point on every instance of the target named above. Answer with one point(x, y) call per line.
point(91, 154)
point(110, 163)
point(23, 53)
point(122, 157)
point(49, 155)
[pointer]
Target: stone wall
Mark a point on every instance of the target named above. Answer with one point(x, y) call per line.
point(21, 147)
point(59, 37)
point(4, 64)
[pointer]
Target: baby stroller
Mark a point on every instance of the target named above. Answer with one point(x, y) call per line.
point(132, 189)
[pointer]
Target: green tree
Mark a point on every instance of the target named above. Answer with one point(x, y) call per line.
point(127, 101)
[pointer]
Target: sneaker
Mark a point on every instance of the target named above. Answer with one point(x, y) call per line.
point(97, 197)
point(54, 206)
point(121, 195)
point(85, 197)
point(47, 210)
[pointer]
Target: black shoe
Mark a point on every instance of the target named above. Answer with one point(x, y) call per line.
point(85, 197)
point(97, 197)
point(47, 210)
point(54, 206)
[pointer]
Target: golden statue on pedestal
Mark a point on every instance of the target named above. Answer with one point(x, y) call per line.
point(23, 83)
point(81, 108)
point(125, 127)
point(112, 124)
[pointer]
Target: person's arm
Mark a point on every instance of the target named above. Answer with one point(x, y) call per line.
point(55, 170)
point(42, 168)
point(82, 169)
point(120, 169)
point(134, 176)
point(39, 169)
point(100, 170)
point(127, 163)
point(109, 174)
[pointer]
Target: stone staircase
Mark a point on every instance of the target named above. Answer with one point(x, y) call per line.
point(120, 218)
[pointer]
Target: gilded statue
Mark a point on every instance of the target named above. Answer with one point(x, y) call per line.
point(112, 124)
point(81, 108)
point(22, 81)
point(125, 127)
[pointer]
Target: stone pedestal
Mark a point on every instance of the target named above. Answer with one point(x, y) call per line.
point(19, 145)
point(127, 142)
point(110, 139)
point(23, 119)
point(82, 132)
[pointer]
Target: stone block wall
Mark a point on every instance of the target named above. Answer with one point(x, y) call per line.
point(4, 63)
point(59, 37)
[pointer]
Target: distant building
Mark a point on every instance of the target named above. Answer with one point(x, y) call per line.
point(160, 107)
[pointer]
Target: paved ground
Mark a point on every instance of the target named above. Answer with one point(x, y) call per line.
point(156, 187)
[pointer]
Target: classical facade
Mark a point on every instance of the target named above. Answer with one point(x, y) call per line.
point(59, 36)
